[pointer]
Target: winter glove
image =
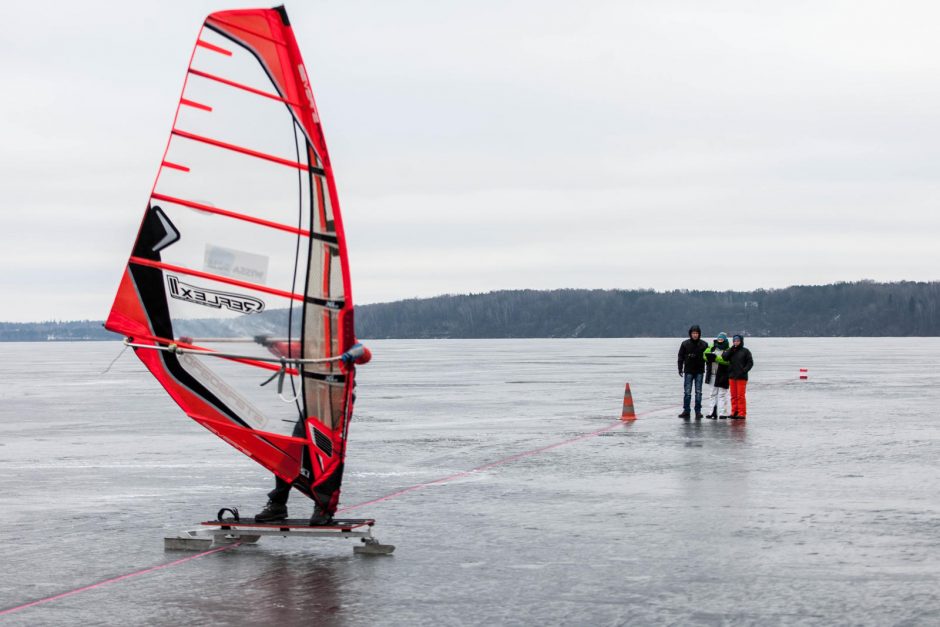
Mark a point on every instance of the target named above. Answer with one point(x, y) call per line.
point(680, 373)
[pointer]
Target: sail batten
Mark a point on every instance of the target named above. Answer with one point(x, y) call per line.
point(195, 105)
point(175, 166)
point(236, 215)
point(216, 277)
point(242, 238)
point(247, 88)
point(246, 151)
point(213, 47)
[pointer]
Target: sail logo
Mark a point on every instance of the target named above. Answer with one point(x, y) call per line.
point(211, 298)
point(236, 264)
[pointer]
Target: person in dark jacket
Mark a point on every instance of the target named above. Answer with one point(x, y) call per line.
point(716, 373)
point(692, 369)
point(740, 361)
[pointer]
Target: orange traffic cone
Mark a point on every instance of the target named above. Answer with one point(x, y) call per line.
point(628, 412)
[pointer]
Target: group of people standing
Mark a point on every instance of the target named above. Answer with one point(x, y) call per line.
point(722, 365)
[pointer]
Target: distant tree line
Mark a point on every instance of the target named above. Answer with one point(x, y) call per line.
point(75, 330)
point(863, 308)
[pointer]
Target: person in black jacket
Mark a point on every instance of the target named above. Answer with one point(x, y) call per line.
point(740, 363)
point(692, 369)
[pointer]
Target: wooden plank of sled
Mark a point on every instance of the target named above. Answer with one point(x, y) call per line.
point(292, 524)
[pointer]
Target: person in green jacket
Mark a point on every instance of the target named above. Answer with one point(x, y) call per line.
point(716, 373)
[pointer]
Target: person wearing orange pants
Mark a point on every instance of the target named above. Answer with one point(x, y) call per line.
point(740, 362)
point(738, 388)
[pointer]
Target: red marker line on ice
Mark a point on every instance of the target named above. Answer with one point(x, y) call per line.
point(387, 497)
point(100, 584)
point(498, 462)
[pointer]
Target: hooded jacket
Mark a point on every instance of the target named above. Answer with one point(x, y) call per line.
point(739, 361)
point(692, 353)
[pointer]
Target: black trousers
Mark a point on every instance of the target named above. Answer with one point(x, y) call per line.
point(281, 491)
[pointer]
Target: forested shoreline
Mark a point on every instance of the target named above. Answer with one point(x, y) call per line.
point(863, 308)
point(843, 309)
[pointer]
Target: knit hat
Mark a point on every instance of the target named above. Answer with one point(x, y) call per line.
point(738, 337)
point(722, 337)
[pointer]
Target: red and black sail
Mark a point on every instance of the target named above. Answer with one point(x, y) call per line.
point(241, 251)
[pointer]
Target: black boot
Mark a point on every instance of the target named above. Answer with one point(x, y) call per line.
point(685, 415)
point(272, 512)
point(320, 517)
point(698, 415)
point(713, 415)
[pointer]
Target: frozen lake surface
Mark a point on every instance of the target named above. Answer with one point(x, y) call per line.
point(824, 508)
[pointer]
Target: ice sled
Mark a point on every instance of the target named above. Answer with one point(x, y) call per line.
point(224, 531)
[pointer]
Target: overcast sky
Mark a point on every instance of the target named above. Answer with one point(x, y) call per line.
point(493, 145)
